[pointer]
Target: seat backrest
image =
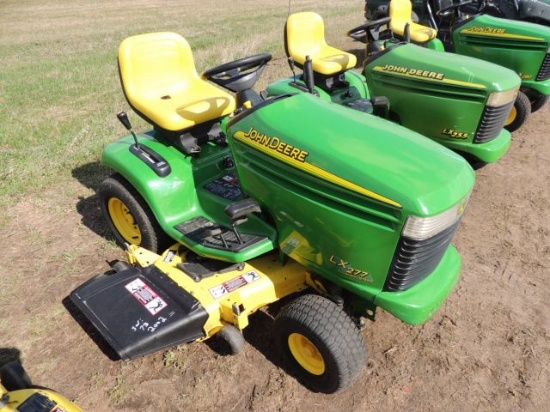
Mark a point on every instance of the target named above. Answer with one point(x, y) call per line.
point(401, 16)
point(160, 82)
point(305, 36)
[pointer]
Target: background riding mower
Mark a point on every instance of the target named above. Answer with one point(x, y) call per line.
point(534, 11)
point(520, 46)
point(459, 102)
point(287, 194)
point(17, 393)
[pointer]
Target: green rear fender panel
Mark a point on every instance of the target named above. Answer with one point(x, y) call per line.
point(340, 184)
point(181, 195)
point(169, 198)
point(356, 82)
point(517, 45)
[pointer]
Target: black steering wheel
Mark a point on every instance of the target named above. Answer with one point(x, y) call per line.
point(358, 33)
point(238, 75)
point(444, 11)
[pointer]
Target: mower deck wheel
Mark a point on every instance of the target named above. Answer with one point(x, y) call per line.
point(128, 215)
point(320, 343)
point(232, 338)
point(519, 114)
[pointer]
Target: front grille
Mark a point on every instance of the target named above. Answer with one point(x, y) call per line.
point(492, 122)
point(416, 259)
point(544, 72)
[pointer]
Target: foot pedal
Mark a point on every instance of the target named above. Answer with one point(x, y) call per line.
point(199, 268)
point(209, 234)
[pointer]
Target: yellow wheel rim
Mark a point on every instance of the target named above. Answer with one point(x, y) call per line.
point(306, 354)
point(511, 116)
point(124, 221)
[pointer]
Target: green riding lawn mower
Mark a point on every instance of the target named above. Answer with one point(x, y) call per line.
point(462, 103)
point(17, 393)
point(534, 11)
point(518, 45)
point(263, 198)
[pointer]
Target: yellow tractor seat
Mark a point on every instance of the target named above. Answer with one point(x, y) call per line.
point(160, 82)
point(401, 15)
point(305, 36)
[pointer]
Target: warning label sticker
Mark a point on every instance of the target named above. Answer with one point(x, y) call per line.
point(146, 296)
point(233, 284)
point(226, 187)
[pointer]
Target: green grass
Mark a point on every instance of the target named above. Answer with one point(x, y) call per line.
point(59, 87)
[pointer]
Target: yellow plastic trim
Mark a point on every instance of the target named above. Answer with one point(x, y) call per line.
point(160, 81)
point(305, 36)
point(306, 354)
point(18, 397)
point(401, 15)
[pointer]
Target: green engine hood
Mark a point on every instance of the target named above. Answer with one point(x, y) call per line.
point(359, 153)
point(444, 70)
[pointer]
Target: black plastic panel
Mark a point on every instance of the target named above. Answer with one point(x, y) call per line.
point(492, 122)
point(544, 72)
point(414, 260)
point(139, 311)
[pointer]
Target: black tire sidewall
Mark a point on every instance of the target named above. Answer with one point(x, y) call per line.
point(340, 345)
point(537, 99)
point(152, 236)
point(326, 382)
point(232, 340)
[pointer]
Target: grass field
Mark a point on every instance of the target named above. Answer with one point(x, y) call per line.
point(59, 87)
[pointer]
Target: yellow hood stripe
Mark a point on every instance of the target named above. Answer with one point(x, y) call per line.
point(507, 35)
point(314, 170)
point(448, 81)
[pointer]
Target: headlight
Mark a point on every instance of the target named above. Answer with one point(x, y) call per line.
point(497, 99)
point(420, 228)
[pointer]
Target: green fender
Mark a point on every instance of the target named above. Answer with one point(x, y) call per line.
point(356, 81)
point(181, 195)
point(168, 197)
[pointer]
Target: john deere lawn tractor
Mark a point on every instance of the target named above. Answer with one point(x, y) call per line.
point(264, 198)
point(534, 11)
point(520, 46)
point(17, 393)
point(459, 102)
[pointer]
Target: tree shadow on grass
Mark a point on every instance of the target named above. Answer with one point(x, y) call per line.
point(91, 175)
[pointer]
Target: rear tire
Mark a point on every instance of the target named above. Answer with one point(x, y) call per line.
point(320, 343)
point(519, 114)
point(129, 217)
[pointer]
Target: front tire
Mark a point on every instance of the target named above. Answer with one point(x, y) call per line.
point(519, 114)
point(129, 217)
point(320, 343)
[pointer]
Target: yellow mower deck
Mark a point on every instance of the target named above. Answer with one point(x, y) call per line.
point(230, 297)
